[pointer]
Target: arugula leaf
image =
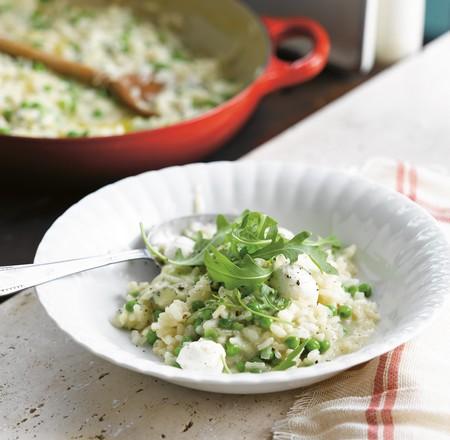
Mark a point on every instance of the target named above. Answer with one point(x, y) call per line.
point(223, 270)
point(201, 245)
point(252, 231)
point(293, 248)
point(319, 258)
point(331, 240)
point(222, 223)
point(289, 361)
point(153, 251)
point(290, 249)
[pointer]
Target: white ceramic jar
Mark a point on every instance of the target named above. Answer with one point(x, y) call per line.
point(400, 29)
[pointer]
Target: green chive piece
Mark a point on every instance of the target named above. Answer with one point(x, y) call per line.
point(197, 305)
point(205, 314)
point(151, 337)
point(231, 349)
point(210, 333)
point(267, 354)
point(237, 326)
point(240, 366)
point(225, 323)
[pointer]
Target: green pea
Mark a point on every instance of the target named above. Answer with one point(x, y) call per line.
point(267, 354)
point(366, 289)
point(292, 342)
point(210, 333)
point(264, 322)
point(344, 311)
point(324, 345)
point(129, 306)
point(333, 309)
point(151, 337)
point(176, 350)
point(205, 314)
point(240, 366)
point(231, 349)
point(156, 314)
point(312, 344)
point(225, 323)
point(237, 326)
point(197, 305)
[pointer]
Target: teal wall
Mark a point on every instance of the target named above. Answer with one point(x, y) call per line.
point(437, 18)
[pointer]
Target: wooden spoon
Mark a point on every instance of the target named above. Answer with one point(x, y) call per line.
point(135, 91)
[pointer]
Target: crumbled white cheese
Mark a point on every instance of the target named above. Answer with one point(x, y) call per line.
point(293, 281)
point(202, 355)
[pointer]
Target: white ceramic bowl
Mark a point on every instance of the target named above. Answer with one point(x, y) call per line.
point(401, 251)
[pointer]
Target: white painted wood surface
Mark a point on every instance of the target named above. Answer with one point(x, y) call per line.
point(403, 113)
point(52, 389)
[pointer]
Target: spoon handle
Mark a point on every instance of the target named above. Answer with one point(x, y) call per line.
point(16, 278)
point(70, 68)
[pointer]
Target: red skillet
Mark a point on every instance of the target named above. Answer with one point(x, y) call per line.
point(208, 29)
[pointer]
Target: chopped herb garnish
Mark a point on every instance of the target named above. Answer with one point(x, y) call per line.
point(97, 113)
point(74, 133)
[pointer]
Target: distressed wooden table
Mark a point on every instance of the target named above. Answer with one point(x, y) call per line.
point(52, 389)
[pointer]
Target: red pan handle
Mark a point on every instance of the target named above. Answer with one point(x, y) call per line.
point(280, 73)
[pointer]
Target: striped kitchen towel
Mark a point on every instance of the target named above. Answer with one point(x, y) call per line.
point(404, 394)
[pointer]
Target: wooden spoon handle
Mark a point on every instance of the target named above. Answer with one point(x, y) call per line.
point(75, 70)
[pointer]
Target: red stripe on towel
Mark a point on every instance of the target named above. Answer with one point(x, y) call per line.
point(400, 177)
point(371, 412)
point(412, 184)
point(391, 395)
point(392, 368)
point(439, 213)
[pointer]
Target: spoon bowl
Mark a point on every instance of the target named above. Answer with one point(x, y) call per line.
point(16, 278)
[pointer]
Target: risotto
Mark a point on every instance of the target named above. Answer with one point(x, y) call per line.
point(113, 38)
point(248, 296)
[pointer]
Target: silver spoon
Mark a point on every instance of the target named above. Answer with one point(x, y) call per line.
point(16, 278)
